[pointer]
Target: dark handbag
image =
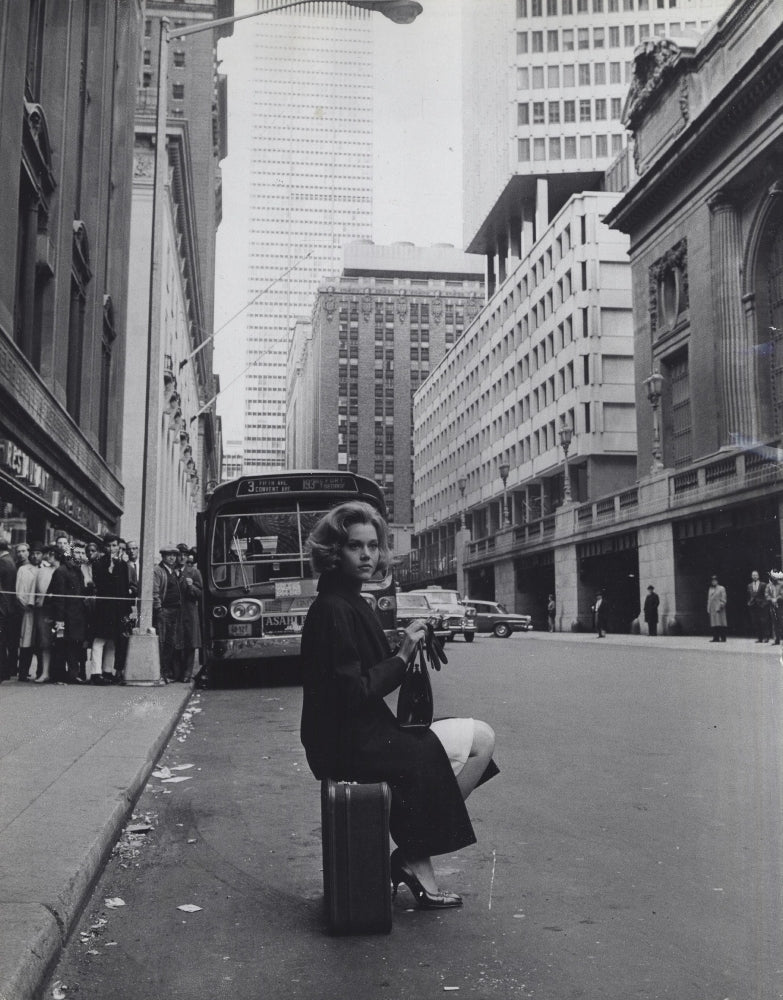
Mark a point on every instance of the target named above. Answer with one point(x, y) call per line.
point(415, 705)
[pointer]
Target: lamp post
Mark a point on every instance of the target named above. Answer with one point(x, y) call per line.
point(398, 11)
point(504, 470)
point(462, 483)
point(566, 436)
point(654, 386)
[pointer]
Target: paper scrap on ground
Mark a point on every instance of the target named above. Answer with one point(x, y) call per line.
point(180, 767)
point(171, 781)
point(114, 902)
point(162, 772)
point(189, 908)
point(58, 991)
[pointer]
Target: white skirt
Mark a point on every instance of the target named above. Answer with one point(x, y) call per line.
point(456, 735)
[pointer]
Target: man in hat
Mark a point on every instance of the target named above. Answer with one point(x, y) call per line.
point(773, 593)
point(167, 610)
point(112, 592)
point(757, 607)
point(192, 588)
point(651, 603)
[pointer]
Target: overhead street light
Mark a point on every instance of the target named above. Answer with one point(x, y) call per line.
point(504, 471)
point(654, 386)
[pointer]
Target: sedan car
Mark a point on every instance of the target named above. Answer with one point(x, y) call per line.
point(457, 619)
point(413, 606)
point(493, 617)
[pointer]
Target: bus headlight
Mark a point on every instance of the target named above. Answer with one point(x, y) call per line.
point(219, 611)
point(246, 611)
point(387, 604)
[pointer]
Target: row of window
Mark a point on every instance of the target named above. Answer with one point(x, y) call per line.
point(554, 8)
point(555, 113)
point(614, 36)
point(570, 147)
point(573, 75)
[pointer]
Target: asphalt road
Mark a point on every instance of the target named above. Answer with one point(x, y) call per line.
point(630, 848)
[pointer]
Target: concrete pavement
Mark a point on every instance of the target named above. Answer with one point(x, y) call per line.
point(73, 760)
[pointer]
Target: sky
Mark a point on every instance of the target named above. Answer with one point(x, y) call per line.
point(417, 183)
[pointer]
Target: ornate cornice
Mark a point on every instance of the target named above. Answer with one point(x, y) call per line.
point(655, 63)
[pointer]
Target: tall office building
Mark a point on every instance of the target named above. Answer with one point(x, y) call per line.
point(544, 84)
point(311, 189)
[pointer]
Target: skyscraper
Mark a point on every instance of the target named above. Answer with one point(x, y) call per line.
point(311, 189)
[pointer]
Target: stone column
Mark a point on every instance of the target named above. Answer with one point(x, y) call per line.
point(542, 206)
point(569, 596)
point(735, 347)
point(656, 566)
point(490, 275)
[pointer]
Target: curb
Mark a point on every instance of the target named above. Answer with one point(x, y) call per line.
point(52, 922)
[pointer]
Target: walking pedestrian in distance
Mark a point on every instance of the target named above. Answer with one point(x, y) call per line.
point(601, 614)
point(758, 607)
point(551, 608)
point(716, 609)
point(350, 733)
point(651, 603)
point(773, 593)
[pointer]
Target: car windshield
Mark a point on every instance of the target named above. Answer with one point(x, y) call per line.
point(413, 601)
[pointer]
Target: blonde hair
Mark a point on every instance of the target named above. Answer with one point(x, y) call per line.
point(331, 533)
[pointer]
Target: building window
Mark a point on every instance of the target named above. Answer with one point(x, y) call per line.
point(523, 78)
point(584, 74)
point(569, 78)
point(568, 7)
point(644, 32)
point(147, 58)
point(569, 112)
point(551, 41)
point(536, 8)
point(538, 113)
point(551, 8)
point(581, 6)
point(539, 149)
point(600, 109)
point(617, 144)
point(677, 421)
point(538, 78)
point(521, 43)
point(521, 8)
point(523, 150)
point(107, 339)
point(583, 38)
point(584, 111)
point(629, 35)
point(601, 146)
point(179, 58)
point(599, 74)
point(614, 37)
point(537, 41)
point(615, 73)
point(523, 114)
point(616, 108)
point(146, 79)
point(586, 147)
point(554, 149)
point(554, 112)
point(568, 39)
point(553, 76)
point(569, 147)
point(178, 91)
point(598, 38)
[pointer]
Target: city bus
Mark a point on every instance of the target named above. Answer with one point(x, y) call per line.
point(258, 582)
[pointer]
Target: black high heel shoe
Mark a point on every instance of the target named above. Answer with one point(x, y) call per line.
point(424, 899)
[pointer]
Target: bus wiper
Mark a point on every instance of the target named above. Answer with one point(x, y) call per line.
point(238, 550)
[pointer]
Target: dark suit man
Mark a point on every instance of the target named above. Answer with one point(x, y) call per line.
point(651, 603)
point(757, 605)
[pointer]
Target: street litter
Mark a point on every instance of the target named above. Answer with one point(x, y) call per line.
point(449, 989)
point(192, 840)
point(162, 772)
point(100, 922)
point(181, 767)
point(189, 908)
point(92, 951)
point(181, 777)
point(110, 944)
point(58, 990)
point(138, 828)
point(114, 902)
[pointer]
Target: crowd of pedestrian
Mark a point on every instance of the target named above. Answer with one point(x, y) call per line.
point(69, 607)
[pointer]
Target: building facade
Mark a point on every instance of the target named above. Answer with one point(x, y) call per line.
point(178, 307)
point(705, 220)
point(311, 164)
point(553, 347)
point(381, 327)
point(67, 93)
point(544, 84)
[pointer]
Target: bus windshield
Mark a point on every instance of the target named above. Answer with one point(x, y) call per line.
point(262, 547)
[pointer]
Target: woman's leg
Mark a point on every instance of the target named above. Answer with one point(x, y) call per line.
point(480, 755)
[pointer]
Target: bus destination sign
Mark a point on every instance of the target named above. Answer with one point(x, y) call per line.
point(265, 485)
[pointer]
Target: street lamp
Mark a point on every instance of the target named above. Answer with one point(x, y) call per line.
point(462, 483)
point(398, 11)
point(566, 436)
point(504, 469)
point(654, 386)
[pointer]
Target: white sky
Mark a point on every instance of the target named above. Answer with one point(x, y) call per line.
point(417, 188)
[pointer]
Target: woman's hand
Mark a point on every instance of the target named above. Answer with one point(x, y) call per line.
point(410, 638)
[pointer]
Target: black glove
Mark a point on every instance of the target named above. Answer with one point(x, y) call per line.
point(433, 646)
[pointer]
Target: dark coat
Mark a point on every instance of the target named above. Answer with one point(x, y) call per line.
point(350, 733)
point(65, 601)
point(111, 581)
point(191, 606)
point(9, 605)
point(651, 603)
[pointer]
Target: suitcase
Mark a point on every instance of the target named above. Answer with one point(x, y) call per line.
point(355, 837)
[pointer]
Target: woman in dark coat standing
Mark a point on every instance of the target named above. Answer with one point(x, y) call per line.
point(349, 732)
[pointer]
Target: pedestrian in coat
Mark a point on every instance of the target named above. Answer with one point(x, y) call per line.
point(773, 594)
point(757, 607)
point(349, 732)
point(651, 603)
point(44, 622)
point(66, 595)
point(551, 607)
point(167, 612)
point(26, 573)
point(716, 609)
point(112, 607)
point(601, 614)
point(9, 612)
point(192, 589)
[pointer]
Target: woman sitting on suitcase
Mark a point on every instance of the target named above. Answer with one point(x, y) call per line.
point(349, 732)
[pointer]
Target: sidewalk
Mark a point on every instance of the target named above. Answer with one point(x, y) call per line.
point(664, 643)
point(72, 763)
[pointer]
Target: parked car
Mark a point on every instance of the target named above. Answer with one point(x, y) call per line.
point(493, 617)
point(458, 619)
point(413, 606)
